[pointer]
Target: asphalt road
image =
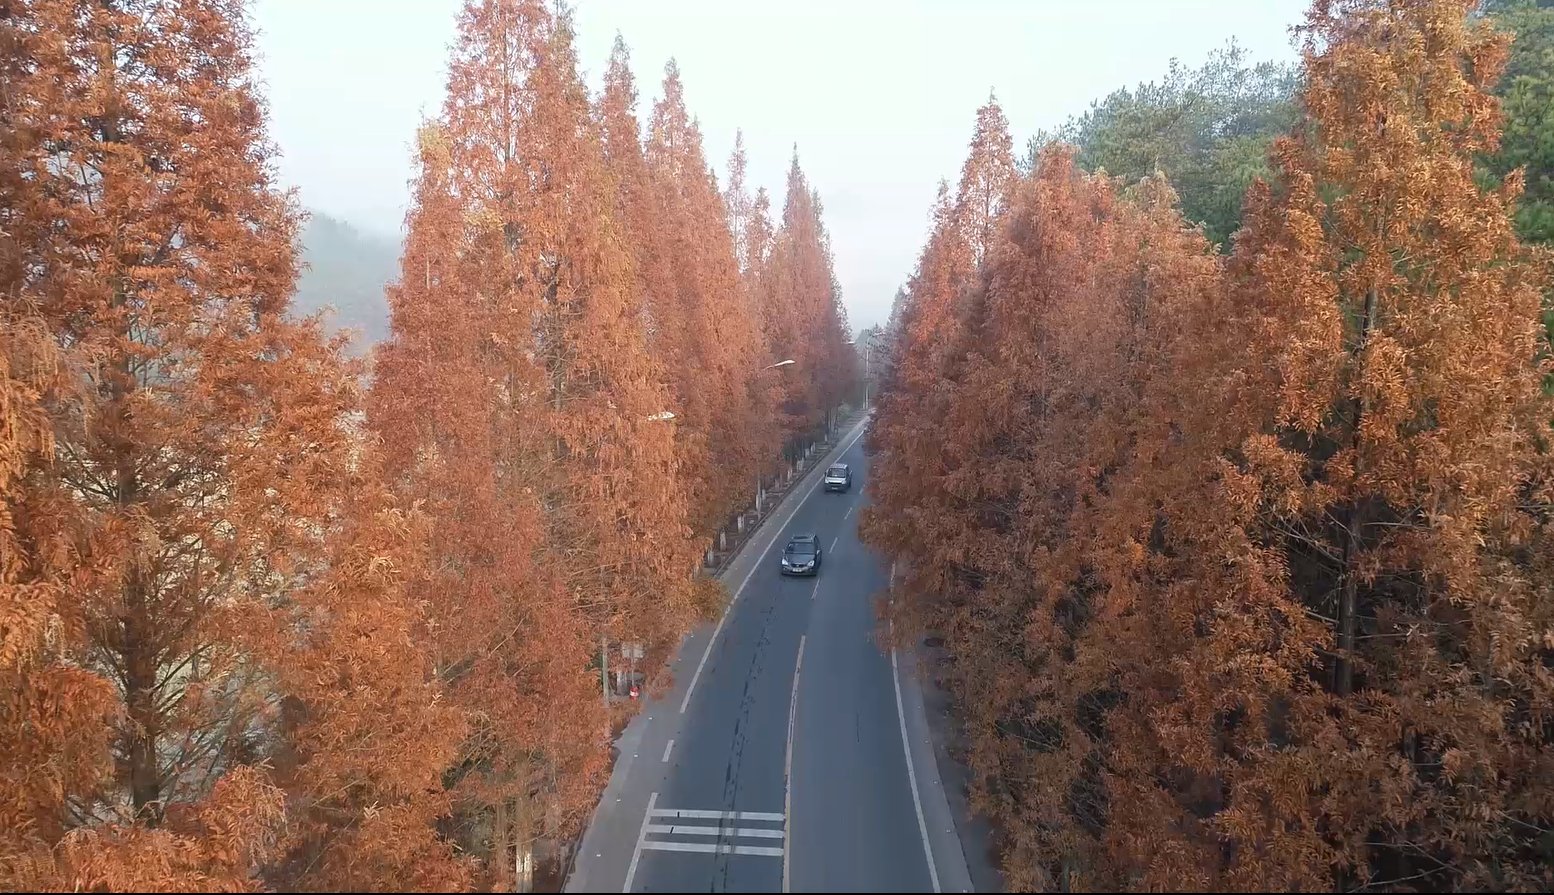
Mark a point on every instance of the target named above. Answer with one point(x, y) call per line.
point(790, 755)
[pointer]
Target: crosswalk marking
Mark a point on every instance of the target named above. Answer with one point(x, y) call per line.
point(678, 830)
point(717, 848)
point(769, 816)
point(732, 832)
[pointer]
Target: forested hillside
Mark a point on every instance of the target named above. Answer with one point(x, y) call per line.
point(1207, 129)
point(1246, 558)
point(345, 270)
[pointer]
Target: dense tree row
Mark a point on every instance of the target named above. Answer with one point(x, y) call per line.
point(260, 628)
point(1247, 563)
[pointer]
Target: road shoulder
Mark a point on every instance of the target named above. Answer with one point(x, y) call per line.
point(943, 834)
point(973, 833)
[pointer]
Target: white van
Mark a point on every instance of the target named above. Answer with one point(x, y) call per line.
point(839, 477)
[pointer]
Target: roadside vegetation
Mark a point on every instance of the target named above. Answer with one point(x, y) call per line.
point(276, 617)
point(1236, 509)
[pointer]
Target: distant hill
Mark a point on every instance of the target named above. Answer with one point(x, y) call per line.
point(346, 269)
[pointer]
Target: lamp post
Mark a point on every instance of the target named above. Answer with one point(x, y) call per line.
point(782, 363)
point(661, 416)
point(868, 347)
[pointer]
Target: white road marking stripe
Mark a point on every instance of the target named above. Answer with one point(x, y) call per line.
point(787, 762)
point(701, 814)
point(636, 854)
point(716, 848)
point(668, 748)
point(759, 562)
point(714, 639)
point(832, 548)
point(730, 832)
point(849, 513)
point(906, 747)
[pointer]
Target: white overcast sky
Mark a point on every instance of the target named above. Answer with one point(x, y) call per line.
point(879, 95)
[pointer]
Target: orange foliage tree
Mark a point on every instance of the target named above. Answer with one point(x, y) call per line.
point(519, 400)
point(709, 331)
point(366, 735)
point(802, 313)
point(178, 465)
point(699, 312)
point(930, 340)
point(750, 224)
point(246, 642)
point(1246, 564)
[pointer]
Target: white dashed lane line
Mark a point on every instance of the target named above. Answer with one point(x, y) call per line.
point(760, 562)
point(787, 762)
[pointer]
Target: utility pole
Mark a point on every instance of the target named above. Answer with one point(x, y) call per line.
point(777, 366)
point(868, 346)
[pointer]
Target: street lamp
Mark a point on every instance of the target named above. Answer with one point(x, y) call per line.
point(868, 346)
point(604, 641)
point(782, 363)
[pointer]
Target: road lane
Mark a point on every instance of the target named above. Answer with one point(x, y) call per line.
point(853, 825)
point(733, 740)
point(733, 804)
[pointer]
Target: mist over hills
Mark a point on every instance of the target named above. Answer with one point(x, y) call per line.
point(344, 269)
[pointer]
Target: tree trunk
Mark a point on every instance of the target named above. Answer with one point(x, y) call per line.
point(1343, 671)
point(136, 631)
point(143, 722)
point(1348, 601)
point(522, 853)
point(501, 846)
point(523, 868)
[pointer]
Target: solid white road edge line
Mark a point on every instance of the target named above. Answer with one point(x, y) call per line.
point(751, 574)
point(906, 746)
point(636, 853)
point(787, 764)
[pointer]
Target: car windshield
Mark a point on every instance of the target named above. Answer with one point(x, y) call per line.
point(837, 470)
point(801, 549)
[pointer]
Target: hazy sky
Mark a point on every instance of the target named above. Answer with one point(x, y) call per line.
point(879, 96)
